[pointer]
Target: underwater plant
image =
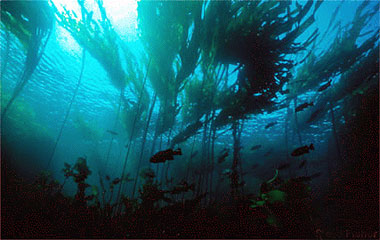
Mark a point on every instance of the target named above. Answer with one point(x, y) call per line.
point(343, 53)
point(286, 203)
point(79, 172)
point(31, 23)
point(69, 108)
point(248, 37)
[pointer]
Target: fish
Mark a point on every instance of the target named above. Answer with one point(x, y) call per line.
point(268, 153)
point(194, 154)
point(302, 150)
point(223, 157)
point(270, 124)
point(112, 132)
point(108, 178)
point(150, 174)
point(163, 156)
point(255, 147)
point(308, 178)
point(314, 115)
point(286, 91)
point(183, 187)
point(116, 181)
point(303, 106)
point(254, 166)
point(227, 172)
point(169, 180)
point(302, 164)
point(242, 184)
point(325, 86)
point(283, 166)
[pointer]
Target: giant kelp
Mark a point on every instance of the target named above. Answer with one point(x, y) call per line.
point(341, 56)
point(248, 34)
point(201, 37)
point(169, 24)
point(31, 23)
point(352, 64)
point(100, 39)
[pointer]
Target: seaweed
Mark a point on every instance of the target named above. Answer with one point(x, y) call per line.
point(68, 109)
point(31, 23)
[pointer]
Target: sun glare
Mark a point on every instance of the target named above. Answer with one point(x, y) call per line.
point(122, 14)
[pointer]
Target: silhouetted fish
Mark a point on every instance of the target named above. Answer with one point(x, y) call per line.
point(268, 153)
point(270, 124)
point(223, 157)
point(183, 187)
point(163, 156)
point(112, 132)
point(325, 86)
point(302, 150)
point(308, 178)
point(286, 91)
point(116, 181)
point(283, 166)
point(302, 164)
point(314, 115)
point(254, 166)
point(255, 147)
point(303, 106)
point(227, 172)
point(194, 154)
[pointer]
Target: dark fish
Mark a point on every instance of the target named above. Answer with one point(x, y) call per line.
point(163, 156)
point(194, 154)
point(169, 180)
point(223, 157)
point(285, 91)
point(116, 181)
point(255, 147)
point(302, 164)
point(150, 174)
point(183, 187)
point(112, 132)
point(254, 166)
point(302, 150)
point(325, 86)
point(283, 166)
point(270, 125)
point(314, 115)
point(308, 178)
point(108, 178)
point(242, 184)
point(303, 106)
point(268, 153)
point(227, 172)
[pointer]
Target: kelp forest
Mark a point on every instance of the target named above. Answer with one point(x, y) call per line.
point(190, 119)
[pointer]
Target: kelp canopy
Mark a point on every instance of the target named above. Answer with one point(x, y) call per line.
point(30, 22)
point(97, 37)
point(26, 19)
point(257, 36)
point(100, 39)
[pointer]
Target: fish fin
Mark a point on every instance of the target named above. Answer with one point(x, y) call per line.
point(311, 146)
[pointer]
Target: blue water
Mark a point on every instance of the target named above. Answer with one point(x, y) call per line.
point(52, 84)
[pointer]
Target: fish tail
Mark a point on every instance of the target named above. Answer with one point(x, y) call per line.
point(311, 146)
